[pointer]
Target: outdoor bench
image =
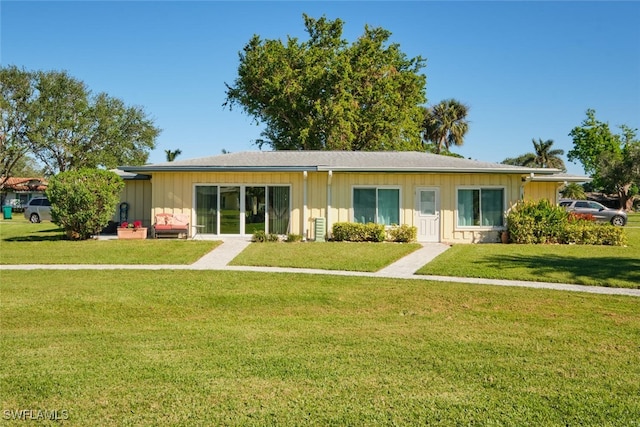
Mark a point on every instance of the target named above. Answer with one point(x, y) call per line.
point(171, 224)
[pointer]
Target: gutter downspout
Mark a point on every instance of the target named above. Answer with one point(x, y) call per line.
point(304, 205)
point(329, 178)
point(525, 182)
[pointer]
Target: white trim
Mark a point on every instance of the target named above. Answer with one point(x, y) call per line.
point(417, 211)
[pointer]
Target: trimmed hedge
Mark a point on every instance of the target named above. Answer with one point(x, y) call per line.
point(584, 232)
point(370, 232)
point(261, 237)
point(403, 233)
point(356, 232)
point(541, 222)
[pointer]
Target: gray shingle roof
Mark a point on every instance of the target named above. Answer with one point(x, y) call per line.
point(356, 161)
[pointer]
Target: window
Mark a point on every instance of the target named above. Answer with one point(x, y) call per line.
point(378, 205)
point(481, 207)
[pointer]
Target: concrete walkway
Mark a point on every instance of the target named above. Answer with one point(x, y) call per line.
point(219, 258)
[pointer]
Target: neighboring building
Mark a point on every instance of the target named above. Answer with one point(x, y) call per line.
point(305, 192)
point(17, 192)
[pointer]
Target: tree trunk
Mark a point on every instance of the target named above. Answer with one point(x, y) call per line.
point(626, 201)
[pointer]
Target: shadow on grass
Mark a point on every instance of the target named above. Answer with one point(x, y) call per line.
point(603, 269)
point(50, 235)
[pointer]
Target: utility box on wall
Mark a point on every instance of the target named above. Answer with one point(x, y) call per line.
point(320, 229)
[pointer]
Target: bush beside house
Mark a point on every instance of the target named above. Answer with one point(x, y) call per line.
point(541, 222)
point(83, 201)
point(356, 232)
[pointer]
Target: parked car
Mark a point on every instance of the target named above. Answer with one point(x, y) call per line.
point(38, 209)
point(600, 212)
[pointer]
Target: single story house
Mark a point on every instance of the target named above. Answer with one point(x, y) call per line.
point(448, 199)
point(17, 191)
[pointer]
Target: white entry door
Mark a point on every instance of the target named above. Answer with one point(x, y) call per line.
point(428, 214)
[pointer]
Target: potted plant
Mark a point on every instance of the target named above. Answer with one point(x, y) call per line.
point(132, 230)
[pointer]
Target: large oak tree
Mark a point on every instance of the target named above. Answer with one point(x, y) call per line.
point(16, 92)
point(612, 160)
point(57, 119)
point(327, 94)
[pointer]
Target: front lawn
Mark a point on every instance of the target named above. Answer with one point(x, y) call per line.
point(43, 243)
point(325, 256)
point(237, 348)
point(580, 264)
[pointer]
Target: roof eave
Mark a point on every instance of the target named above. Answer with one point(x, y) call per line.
point(517, 171)
point(151, 169)
point(326, 168)
point(561, 179)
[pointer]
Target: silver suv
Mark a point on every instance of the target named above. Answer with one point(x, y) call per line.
point(600, 212)
point(38, 209)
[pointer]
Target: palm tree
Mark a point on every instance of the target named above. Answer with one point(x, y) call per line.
point(446, 124)
point(171, 155)
point(543, 157)
point(546, 157)
point(527, 159)
point(573, 191)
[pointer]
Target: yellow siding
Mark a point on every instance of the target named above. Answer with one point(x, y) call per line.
point(137, 193)
point(541, 190)
point(342, 189)
point(174, 192)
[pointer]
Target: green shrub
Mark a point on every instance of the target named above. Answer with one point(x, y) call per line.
point(540, 222)
point(356, 232)
point(271, 237)
point(537, 222)
point(586, 232)
point(347, 232)
point(375, 232)
point(292, 238)
point(259, 236)
point(83, 201)
point(403, 233)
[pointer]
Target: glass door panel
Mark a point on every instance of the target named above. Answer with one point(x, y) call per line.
point(279, 210)
point(388, 206)
point(254, 207)
point(229, 210)
point(207, 209)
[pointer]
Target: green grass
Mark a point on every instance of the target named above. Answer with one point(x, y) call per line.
point(44, 243)
point(633, 220)
point(325, 256)
point(585, 265)
point(235, 348)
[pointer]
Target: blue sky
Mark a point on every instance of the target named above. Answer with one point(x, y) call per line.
point(526, 69)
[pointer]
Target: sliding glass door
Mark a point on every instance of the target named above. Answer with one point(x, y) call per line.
point(242, 210)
